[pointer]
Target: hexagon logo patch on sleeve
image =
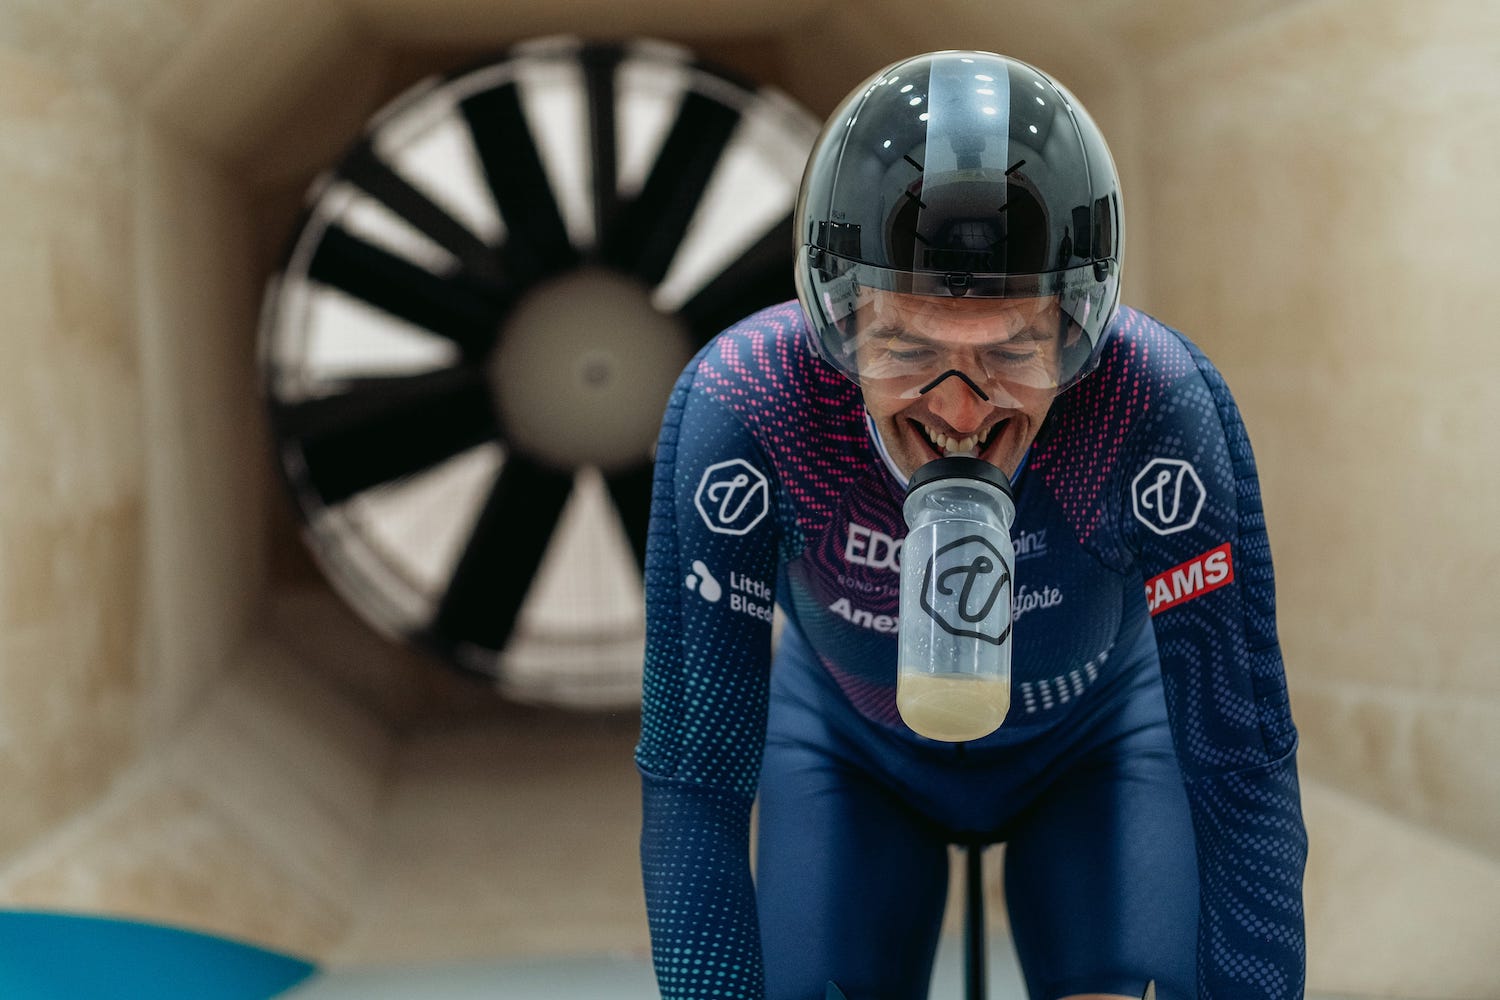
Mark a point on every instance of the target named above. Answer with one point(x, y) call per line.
point(1167, 495)
point(732, 497)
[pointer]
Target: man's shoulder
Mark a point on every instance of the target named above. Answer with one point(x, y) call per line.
point(1142, 347)
point(1146, 363)
point(1153, 389)
point(763, 362)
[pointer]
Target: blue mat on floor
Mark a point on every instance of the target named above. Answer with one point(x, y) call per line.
point(49, 956)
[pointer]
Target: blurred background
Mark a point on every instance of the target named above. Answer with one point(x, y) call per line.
point(207, 717)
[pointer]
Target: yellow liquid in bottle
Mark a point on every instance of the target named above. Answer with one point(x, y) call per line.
point(952, 707)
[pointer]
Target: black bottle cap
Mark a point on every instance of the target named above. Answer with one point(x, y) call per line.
point(960, 467)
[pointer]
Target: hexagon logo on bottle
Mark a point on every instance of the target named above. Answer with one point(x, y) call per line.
point(966, 589)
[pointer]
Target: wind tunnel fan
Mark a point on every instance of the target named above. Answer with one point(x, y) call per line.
point(469, 348)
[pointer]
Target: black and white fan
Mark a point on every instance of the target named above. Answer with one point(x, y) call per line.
point(468, 350)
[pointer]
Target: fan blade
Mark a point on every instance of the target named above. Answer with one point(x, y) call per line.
point(459, 307)
point(652, 226)
point(631, 490)
point(381, 429)
point(509, 540)
point(373, 175)
point(537, 242)
point(761, 276)
point(599, 65)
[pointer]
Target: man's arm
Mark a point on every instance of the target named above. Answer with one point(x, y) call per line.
point(1195, 521)
point(710, 570)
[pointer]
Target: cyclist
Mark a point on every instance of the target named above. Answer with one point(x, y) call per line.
point(959, 242)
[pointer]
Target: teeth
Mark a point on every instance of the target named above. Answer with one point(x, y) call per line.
point(989, 435)
point(952, 446)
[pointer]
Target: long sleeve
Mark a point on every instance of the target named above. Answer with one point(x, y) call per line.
point(710, 572)
point(1194, 519)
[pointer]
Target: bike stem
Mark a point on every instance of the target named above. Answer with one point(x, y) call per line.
point(975, 986)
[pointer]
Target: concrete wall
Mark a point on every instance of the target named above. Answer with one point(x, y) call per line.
point(192, 730)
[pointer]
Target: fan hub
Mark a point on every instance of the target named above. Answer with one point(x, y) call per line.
point(583, 369)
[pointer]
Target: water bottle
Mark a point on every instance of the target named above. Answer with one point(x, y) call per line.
point(953, 679)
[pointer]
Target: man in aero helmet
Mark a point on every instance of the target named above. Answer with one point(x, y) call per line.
point(959, 241)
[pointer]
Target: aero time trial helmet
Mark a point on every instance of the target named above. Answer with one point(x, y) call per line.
point(959, 174)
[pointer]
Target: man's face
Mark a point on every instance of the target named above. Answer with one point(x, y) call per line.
point(1007, 349)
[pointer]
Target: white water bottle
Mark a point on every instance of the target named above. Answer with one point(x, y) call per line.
point(953, 679)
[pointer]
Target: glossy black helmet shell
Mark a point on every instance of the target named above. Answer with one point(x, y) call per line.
point(960, 173)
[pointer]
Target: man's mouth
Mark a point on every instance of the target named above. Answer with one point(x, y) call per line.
point(973, 445)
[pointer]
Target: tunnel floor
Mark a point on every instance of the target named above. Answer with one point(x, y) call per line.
point(613, 977)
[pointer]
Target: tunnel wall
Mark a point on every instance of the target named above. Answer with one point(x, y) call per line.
point(72, 538)
point(1320, 224)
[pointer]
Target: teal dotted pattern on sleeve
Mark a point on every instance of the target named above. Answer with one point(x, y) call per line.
point(705, 936)
point(704, 707)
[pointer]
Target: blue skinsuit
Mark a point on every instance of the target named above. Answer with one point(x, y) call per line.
point(1144, 780)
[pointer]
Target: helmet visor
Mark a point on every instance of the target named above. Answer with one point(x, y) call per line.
point(903, 332)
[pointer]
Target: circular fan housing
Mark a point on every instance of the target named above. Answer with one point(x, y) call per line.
point(468, 350)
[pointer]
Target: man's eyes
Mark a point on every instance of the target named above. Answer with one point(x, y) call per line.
point(1006, 354)
point(1011, 355)
point(896, 352)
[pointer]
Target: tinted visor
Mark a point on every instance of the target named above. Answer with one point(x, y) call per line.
point(1036, 328)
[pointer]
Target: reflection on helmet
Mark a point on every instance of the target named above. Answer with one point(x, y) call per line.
point(959, 174)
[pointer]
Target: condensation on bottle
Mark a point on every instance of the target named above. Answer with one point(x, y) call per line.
point(953, 667)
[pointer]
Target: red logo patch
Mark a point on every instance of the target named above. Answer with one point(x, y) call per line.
point(1210, 571)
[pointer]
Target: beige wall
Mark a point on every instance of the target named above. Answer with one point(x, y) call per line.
point(71, 479)
point(1321, 221)
point(1307, 196)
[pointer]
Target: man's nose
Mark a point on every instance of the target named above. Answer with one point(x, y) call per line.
point(957, 401)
